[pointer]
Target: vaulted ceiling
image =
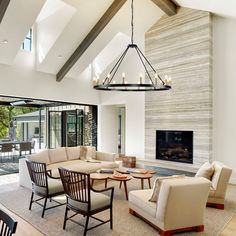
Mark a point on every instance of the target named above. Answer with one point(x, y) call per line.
point(62, 27)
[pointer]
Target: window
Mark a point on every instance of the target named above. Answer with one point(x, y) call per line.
point(27, 44)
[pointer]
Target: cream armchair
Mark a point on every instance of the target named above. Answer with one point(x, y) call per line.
point(219, 183)
point(180, 206)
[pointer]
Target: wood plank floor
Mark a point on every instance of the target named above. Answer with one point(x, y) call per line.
point(26, 229)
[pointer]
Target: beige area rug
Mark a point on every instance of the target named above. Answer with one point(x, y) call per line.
point(124, 224)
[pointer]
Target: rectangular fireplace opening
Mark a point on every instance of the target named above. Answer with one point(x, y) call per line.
point(172, 145)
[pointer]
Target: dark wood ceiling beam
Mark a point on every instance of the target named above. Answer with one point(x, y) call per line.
point(92, 35)
point(3, 7)
point(169, 7)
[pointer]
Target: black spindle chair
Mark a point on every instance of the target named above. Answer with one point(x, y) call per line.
point(7, 224)
point(43, 185)
point(81, 198)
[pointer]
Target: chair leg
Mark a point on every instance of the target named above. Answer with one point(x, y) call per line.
point(31, 200)
point(111, 218)
point(44, 206)
point(86, 226)
point(65, 218)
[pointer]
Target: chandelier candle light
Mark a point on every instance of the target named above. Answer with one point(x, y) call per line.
point(156, 83)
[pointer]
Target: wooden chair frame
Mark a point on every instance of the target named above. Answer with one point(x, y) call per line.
point(77, 187)
point(39, 176)
point(7, 224)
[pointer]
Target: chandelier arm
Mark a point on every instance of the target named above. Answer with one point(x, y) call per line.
point(136, 48)
point(116, 67)
point(121, 58)
point(151, 66)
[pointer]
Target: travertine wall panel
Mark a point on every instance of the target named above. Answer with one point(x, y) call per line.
point(181, 46)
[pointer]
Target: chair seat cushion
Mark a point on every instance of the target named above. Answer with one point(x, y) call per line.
point(54, 186)
point(98, 200)
point(140, 199)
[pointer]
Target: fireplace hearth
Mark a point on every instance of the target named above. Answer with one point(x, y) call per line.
point(172, 145)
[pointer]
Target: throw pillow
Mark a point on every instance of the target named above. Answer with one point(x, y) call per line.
point(157, 186)
point(206, 171)
point(83, 153)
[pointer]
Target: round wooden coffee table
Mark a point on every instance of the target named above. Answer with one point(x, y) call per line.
point(142, 177)
point(123, 180)
point(124, 170)
point(99, 176)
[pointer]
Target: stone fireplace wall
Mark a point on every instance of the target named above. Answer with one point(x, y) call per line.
point(181, 46)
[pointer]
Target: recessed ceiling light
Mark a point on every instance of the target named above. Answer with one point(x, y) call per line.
point(59, 56)
point(5, 41)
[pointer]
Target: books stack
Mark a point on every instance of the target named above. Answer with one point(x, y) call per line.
point(107, 171)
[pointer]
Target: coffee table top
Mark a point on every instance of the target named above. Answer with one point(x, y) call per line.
point(141, 176)
point(100, 176)
point(120, 179)
point(124, 170)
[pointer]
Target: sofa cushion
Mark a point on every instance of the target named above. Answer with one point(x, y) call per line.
point(40, 157)
point(87, 152)
point(105, 156)
point(73, 153)
point(157, 186)
point(140, 199)
point(206, 171)
point(57, 155)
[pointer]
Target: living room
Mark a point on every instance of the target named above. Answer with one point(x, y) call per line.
point(194, 46)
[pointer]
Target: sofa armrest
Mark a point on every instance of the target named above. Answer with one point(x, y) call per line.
point(24, 177)
point(105, 156)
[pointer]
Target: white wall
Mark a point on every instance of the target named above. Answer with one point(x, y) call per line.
point(224, 92)
point(108, 128)
point(22, 80)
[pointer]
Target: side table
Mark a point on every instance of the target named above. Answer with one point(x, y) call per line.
point(142, 177)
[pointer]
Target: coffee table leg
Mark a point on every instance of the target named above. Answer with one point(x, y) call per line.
point(141, 183)
point(121, 183)
point(149, 182)
point(126, 192)
point(92, 182)
point(105, 183)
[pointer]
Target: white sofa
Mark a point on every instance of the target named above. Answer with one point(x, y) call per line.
point(180, 206)
point(81, 158)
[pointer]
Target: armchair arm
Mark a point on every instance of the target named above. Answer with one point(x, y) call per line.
point(49, 174)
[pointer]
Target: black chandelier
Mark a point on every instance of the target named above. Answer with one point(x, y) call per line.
point(156, 83)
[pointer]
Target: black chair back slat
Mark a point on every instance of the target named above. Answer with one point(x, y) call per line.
point(38, 173)
point(7, 224)
point(76, 185)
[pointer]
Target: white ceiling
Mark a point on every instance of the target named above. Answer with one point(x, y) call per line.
point(61, 26)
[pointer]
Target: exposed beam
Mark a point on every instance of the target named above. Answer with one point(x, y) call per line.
point(92, 35)
point(169, 7)
point(3, 7)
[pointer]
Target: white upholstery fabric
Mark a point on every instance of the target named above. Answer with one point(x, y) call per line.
point(140, 198)
point(40, 157)
point(54, 186)
point(157, 186)
point(105, 161)
point(220, 180)
point(98, 200)
point(73, 153)
point(181, 203)
point(57, 155)
point(206, 171)
point(91, 153)
point(105, 156)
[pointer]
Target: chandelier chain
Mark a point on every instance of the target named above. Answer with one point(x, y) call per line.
point(132, 21)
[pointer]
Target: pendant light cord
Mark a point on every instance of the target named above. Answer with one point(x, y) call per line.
point(132, 21)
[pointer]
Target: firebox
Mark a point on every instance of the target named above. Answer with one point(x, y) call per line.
point(173, 145)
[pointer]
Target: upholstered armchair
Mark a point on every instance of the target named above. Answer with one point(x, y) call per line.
point(219, 183)
point(180, 205)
